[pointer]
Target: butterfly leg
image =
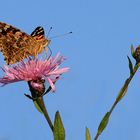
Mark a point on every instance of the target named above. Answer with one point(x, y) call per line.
point(48, 48)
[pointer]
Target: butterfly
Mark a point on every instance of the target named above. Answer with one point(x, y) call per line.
point(17, 45)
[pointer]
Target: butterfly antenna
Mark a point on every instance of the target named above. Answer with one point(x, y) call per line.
point(49, 31)
point(60, 35)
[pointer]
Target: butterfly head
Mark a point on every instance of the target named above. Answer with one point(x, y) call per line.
point(46, 42)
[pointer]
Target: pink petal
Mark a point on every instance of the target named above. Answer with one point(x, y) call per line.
point(51, 84)
point(59, 71)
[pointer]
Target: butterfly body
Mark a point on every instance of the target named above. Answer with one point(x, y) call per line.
point(17, 45)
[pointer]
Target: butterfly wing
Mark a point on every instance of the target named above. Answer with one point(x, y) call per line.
point(39, 35)
point(13, 43)
point(17, 45)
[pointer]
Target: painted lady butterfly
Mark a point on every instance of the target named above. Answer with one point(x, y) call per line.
point(17, 45)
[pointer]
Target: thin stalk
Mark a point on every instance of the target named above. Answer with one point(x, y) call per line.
point(38, 100)
point(120, 96)
point(125, 86)
point(41, 104)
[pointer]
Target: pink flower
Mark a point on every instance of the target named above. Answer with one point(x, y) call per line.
point(33, 70)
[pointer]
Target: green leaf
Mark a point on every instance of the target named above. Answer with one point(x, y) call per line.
point(132, 50)
point(130, 66)
point(122, 91)
point(59, 131)
point(87, 134)
point(103, 123)
point(37, 107)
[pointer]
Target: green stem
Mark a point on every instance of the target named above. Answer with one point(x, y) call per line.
point(96, 137)
point(120, 96)
point(41, 104)
point(125, 86)
point(38, 99)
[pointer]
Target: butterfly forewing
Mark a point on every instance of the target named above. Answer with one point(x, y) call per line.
point(17, 45)
point(38, 33)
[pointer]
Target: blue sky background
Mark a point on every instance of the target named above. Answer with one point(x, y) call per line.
point(103, 32)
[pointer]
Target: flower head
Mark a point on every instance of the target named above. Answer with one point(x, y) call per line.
point(33, 70)
point(137, 54)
